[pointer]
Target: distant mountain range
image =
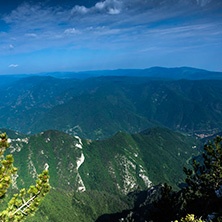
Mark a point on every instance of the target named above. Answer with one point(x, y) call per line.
point(153, 72)
point(98, 107)
point(108, 169)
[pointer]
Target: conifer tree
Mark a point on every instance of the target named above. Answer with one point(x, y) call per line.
point(205, 179)
point(24, 203)
point(204, 182)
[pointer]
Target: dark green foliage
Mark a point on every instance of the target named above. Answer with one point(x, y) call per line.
point(63, 206)
point(205, 180)
point(165, 207)
point(143, 206)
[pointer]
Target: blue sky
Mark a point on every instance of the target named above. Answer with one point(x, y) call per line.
point(65, 35)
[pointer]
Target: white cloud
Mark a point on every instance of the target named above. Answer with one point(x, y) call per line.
point(112, 7)
point(34, 19)
point(36, 26)
point(100, 5)
point(72, 31)
point(13, 65)
point(79, 9)
point(114, 11)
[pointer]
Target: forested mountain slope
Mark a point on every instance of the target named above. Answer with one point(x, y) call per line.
point(97, 108)
point(110, 169)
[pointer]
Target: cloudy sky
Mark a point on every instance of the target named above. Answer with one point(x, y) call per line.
point(74, 35)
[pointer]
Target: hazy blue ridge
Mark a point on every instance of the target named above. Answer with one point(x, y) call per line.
point(153, 72)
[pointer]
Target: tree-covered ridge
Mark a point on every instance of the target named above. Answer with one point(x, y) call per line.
point(123, 157)
point(25, 202)
point(126, 160)
point(99, 107)
point(130, 163)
